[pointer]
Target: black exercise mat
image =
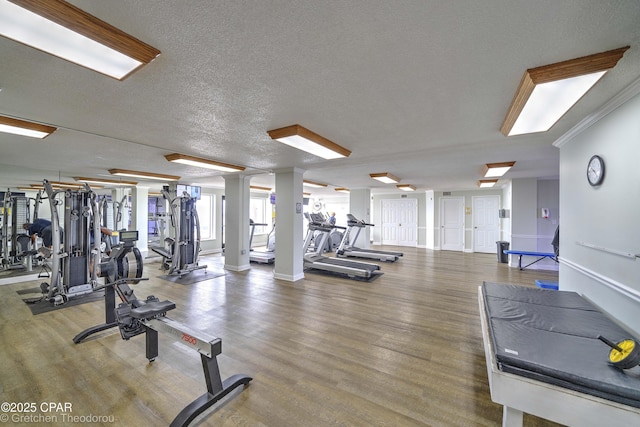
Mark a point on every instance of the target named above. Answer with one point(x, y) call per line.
point(552, 336)
point(193, 277)
point(46, 306)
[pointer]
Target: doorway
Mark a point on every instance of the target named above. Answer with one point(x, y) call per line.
point(486, 224)
point(399, 222)
point(452, 223)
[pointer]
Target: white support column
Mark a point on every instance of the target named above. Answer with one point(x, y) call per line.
point(140, 217)
point(430, 196)
point(289, 225)
point(236, 247)
point(360, 207)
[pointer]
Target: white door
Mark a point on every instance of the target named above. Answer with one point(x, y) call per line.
point(486, 224)
point(452, 223)
point(399, 222)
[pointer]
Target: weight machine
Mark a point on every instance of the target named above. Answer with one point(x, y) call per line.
point(15, 241)
point(134, 317)
point(74, 261)
point(180, 253)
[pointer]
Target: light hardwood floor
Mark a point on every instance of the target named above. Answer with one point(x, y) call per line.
point(403, 350)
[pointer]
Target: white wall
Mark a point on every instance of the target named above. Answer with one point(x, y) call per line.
point(528, 230)
point(606, 216)
point(505, 224)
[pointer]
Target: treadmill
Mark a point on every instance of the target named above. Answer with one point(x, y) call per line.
point(346, 250)
point(315, 260)
point(261, 257)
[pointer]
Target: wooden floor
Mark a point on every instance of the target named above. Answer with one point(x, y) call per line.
point(403, 350)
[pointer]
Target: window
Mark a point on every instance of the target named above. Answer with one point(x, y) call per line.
point(206, 209)
point(260, 212)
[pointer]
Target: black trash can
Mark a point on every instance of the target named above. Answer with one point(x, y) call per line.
point(502, 246)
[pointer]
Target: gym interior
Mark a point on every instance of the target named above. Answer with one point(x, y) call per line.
point(288, 213)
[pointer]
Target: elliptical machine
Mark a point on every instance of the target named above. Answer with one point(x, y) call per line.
point(180, 253)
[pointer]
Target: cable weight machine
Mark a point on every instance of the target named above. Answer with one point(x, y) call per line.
point(15, 242)
point(74, 261)
point(180, 253)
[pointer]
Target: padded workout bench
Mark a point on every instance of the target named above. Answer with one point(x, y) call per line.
point(543, 358)
point(540, 255)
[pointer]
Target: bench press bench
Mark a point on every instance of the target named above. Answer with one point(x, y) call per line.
point(540, 255)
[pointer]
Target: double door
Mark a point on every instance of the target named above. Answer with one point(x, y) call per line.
point(399, 222)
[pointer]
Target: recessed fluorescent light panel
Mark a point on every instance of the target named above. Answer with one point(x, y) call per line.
point(144, 175)
point(104, 181)
point(546, 93)
point(24, 128)
point(59, 184)
point(406, 187)
point(65, 31)
point(313, 184)
point(492, 170)
point(303, 139)
point(203, 163)
point(385, 177)
point(487, 183)
point(259, 188)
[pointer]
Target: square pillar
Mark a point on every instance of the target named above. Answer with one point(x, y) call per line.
point(140, 217)
point(236, 245)
point(289, 225)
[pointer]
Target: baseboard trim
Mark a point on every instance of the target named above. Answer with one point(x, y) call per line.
point(237, 267)
point(288, 277)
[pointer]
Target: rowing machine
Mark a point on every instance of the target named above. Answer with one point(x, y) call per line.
point(134, 317)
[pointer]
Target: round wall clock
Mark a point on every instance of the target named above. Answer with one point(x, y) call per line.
point(595, 170)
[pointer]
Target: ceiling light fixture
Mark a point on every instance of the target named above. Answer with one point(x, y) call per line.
point(60, 184)
point(497, 169)
point(385, 177)
point(24, 128)
point(342, 190)
point(65, 31)
point(303, 139)
point(406, 187)
point(257, 187)
point(313, 184)
point(486, 183)
point(144, 175)
point(546, 93)
point(104, 181)
point(203, 163)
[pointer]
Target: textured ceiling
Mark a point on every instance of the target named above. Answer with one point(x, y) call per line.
point(415, 88)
